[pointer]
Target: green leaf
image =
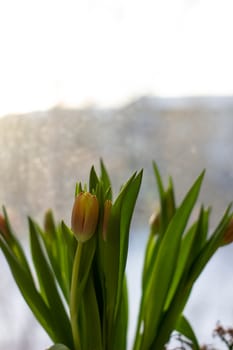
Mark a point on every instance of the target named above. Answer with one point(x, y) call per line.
point(210, 247)
point(55, 246)
point(15, 245)
point(108, 261)
point(162, 196)
point(68, 243)
point(164, 266)
point(49, 289)
point(190, 247)
point(159, 182)
point(110, 250)
point(170, 203)
point(149, 258)
point(81, 271)
point(167, 201)
point(58, 347)
point(89, 322)
point(185, 251)
point(121, 322)
point(78, 189)
point(184, 327)
point(125, 220)
point(106, 180)
point(186, 284)
point(167, 211)
point(93, 180)
point(60, 245)
point(29, 292)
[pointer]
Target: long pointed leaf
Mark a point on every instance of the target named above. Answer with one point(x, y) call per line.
point(49, 289)
point(121, 323)
point(183, 326)
point(53, 239)
point(90, 320)
point(93, 179)
point(190, 247)
point(187, 282)
point(105, 179)
point(126, 215)
point(69, 246)
point(30, 293)
point(211, 246)
point(165, 264)
point(58, 347)
point(15, 246)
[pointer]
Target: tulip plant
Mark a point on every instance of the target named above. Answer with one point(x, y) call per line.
point(78, 290)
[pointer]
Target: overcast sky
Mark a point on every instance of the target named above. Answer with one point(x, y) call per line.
point(108, 51)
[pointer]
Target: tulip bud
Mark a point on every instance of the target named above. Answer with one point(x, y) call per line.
point(3, 227)
point(85, 216)
point(107, 211)
point(228, 236)
point(154, 222)
point(49, 224)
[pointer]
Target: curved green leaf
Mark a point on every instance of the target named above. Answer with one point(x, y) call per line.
point(121, 323)
point(49, 289)
point(164, 266)
point(29, 292)
point(186, 284)
point(68, 245)
point(58, 347)
point(105, 180)
point(190, 247)
point(15, 245)
point(125, 220)
point(183, 326)
point(89, 321)
point(53, 239)
point(93, 180)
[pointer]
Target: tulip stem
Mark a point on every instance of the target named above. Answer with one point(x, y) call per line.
point(74, 297)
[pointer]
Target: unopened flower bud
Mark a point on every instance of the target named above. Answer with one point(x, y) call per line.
point(154, 222)
point(107, 211)
point(85, 216)
point(228, 236)
point(49, 224)
point(3, 227)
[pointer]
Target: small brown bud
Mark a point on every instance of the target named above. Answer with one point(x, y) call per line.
point(3, 227)
point(154, 222)
point(228, 236)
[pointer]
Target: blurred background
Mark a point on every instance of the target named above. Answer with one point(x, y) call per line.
point(131, 82)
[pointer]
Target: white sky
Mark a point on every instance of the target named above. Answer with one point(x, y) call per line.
point(107, 51)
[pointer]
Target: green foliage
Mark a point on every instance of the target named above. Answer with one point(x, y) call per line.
point(58, 347)
point(79, 291)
